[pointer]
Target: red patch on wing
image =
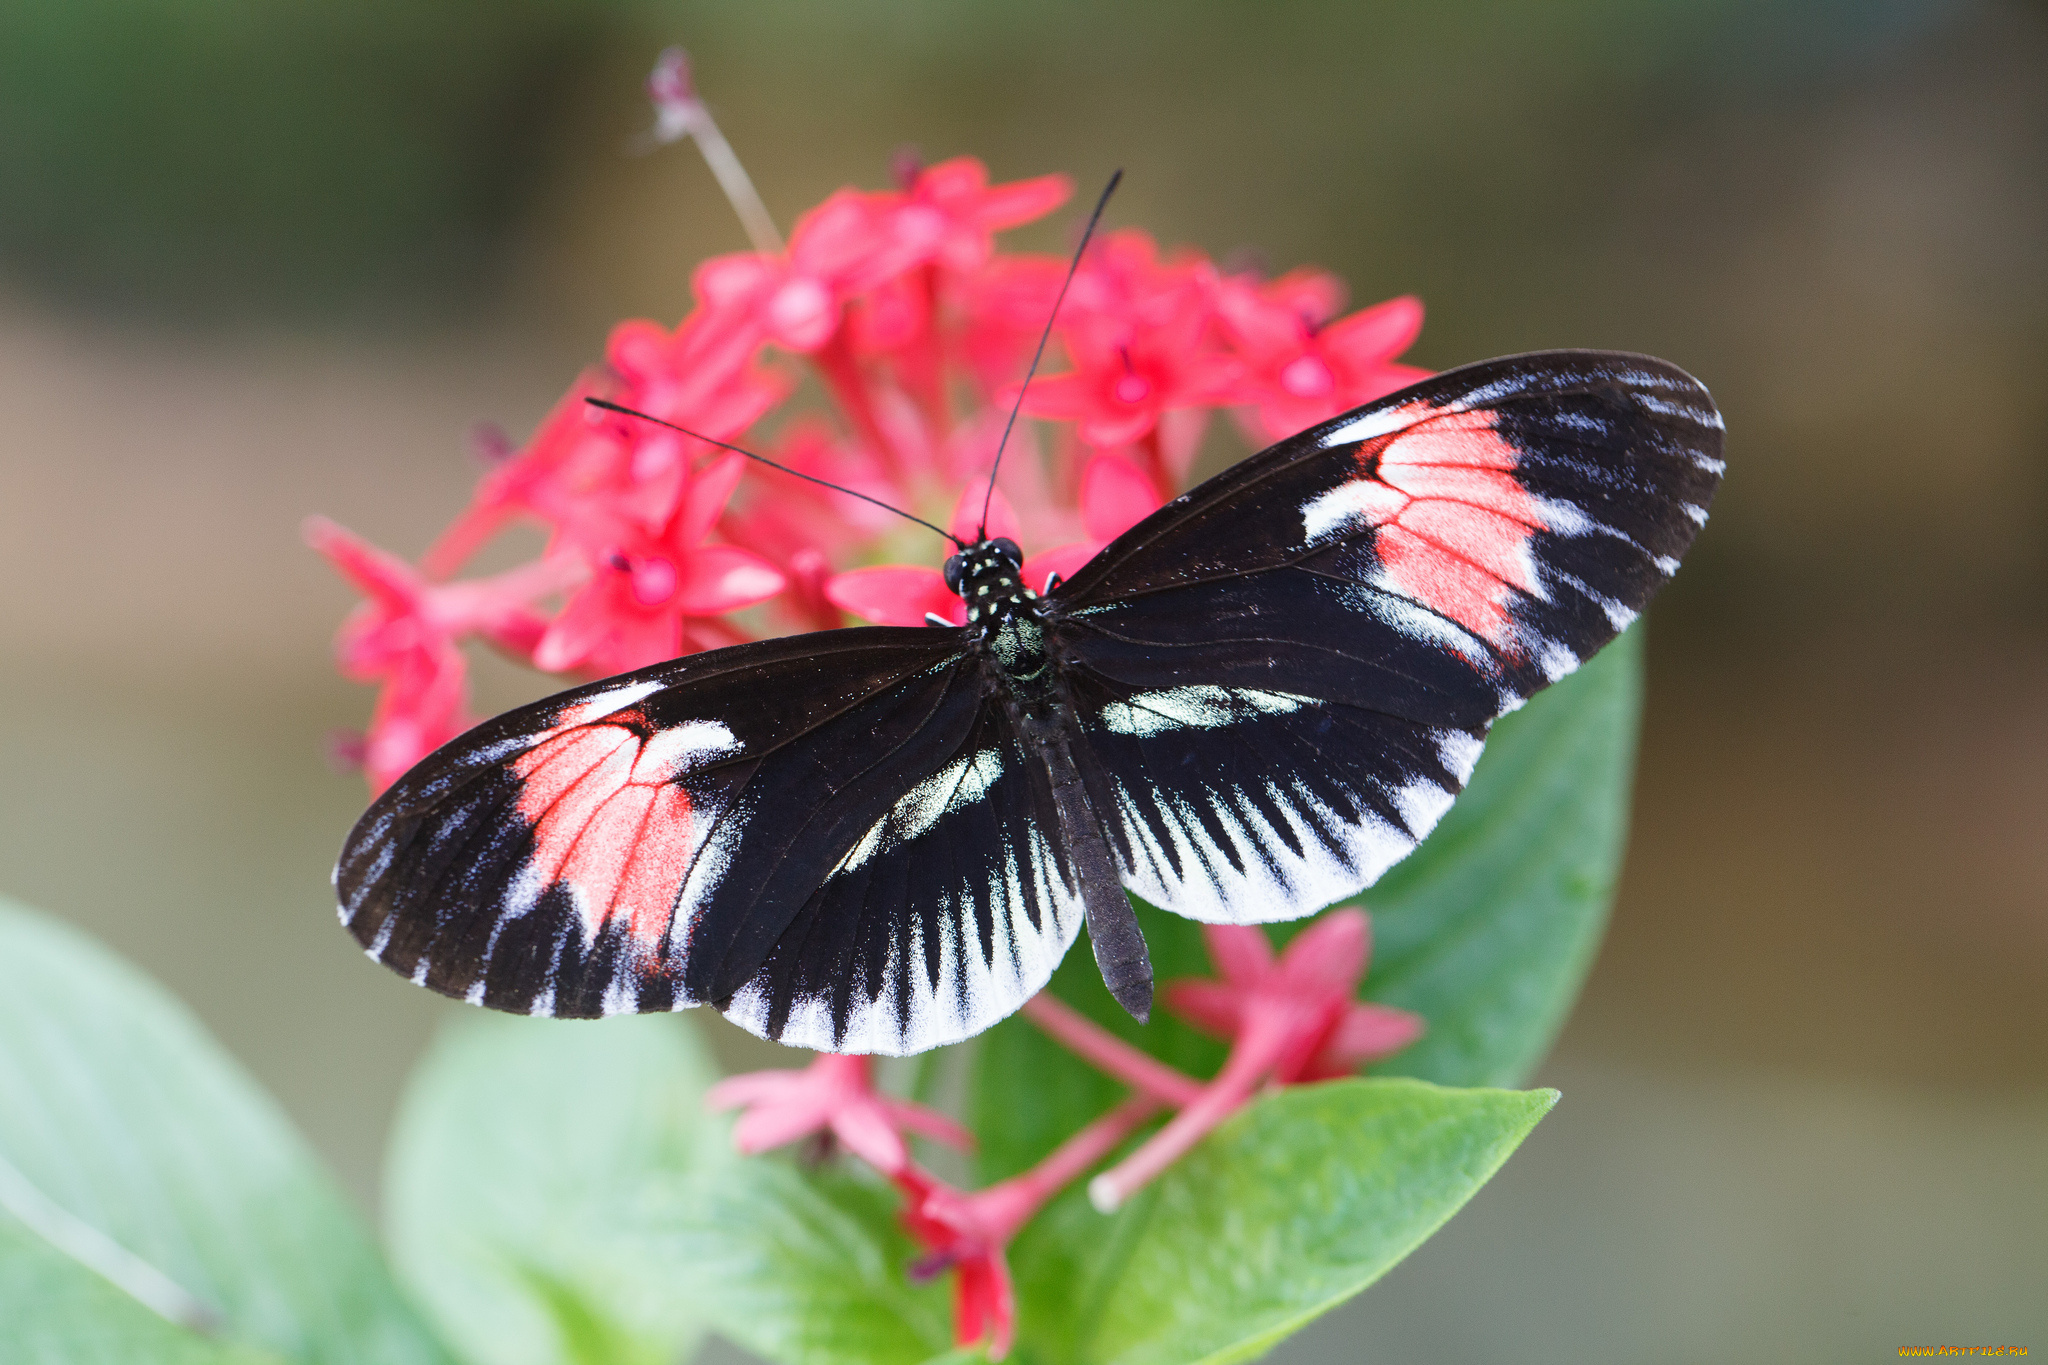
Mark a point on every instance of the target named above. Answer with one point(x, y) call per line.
point(1455, 526)
point(614, 830)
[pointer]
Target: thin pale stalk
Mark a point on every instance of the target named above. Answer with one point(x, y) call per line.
point(1257, 1049)
point(733, 179)
point(678, 111)
point(1008, 1206)
point(1108, 1053)
point(96, 1251)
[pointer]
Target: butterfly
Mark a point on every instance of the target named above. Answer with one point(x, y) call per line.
point(1247, 706)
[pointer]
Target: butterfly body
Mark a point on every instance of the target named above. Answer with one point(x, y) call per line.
point(1246, 707)
point(1005, 619)
point(1007, 628)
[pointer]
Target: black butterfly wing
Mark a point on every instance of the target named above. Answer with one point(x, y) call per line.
point(651, 841)
point(950, 910)
point(1286, 675)
point(1243, 805)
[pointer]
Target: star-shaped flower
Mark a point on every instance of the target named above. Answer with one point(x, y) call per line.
point(834, 1094)
point(968, 1233)
point(1302, 368)
point(951, 213)
point(407, 636)
point(1140, 342)
point(1289, 1020)
point(651, 594)
point(842, 248)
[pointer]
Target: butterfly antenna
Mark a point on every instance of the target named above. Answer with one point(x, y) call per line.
point(609, 406)
point(981, 533)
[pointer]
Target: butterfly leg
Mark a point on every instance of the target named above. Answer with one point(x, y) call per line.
point(1113, 930)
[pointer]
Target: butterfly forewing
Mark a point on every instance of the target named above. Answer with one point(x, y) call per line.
point(563, 858)
point(1515, 514)
point(1286, 675)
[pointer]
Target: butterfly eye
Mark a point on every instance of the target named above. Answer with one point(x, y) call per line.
point(954, 572)
point(1008, 549)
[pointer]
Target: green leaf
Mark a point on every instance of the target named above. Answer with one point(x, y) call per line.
point(1292, 1207)
point(524, 1151)
point(57, 1312)
point(1488, 929)
point(119, 1113)
point(804, 1268)
point(557, 1194)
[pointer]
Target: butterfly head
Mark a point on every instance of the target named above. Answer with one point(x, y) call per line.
point(988, 576)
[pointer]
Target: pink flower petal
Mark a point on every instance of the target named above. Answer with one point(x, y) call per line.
point(768, 1126)
point(929, 1123)
point(1062, 397)
point(732, 281)
point(1365, 1033)
point(984, 1303)
point(377, 573)
point(1111, 428)
point(1375, 335)
point(1021, 201)
point(581, 627)
point(715, 579)
point(750, 1087)
point(1388, 378)
point(711, 488)
point(1002, 519)
point(866, 1131)
point(1259, 328)
point(895, 595)
point(1064, 560)
point(637, 350)
point(1310, 294)
point(1115, 496)
point(1330, 955)
point(802, 314)
point(838, 238)
point(1211, 1006)
point(1242, 952)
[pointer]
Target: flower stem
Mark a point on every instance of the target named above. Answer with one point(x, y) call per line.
point(1258, 1047)
point(680, 111)
point(1008, 1206)
point(842, 374)
point(1109, 1054)
point(1154, 448)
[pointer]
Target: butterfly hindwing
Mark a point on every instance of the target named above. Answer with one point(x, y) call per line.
point(1235, 804)
point(949, 911)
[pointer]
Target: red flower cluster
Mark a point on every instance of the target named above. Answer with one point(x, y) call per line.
point(1289, 1021)
point(659, 544)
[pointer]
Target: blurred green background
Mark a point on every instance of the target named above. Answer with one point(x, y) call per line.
point(262, 258)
